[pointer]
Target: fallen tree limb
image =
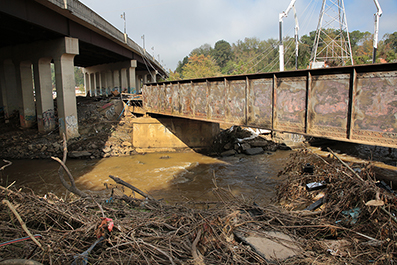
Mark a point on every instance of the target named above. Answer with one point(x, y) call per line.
point(9, 163)
point(12, 208)
point(122, 182)
point(72, 186)
point(159, 250)
point(346, 165)
point(197, 257)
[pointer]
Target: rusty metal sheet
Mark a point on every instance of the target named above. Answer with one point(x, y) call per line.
point(175, 99)
point(375, 108)
point(162, 98)
point(260, 101)
point(236, 102)
point(167, 100)
point(186, 99)
point(153, 100)
point(200, 99)
point(290, 104)
point(216, 95)
point(328, 105)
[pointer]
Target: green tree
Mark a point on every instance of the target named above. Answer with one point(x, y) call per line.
point(200, 66)
point(78, 76)
point(173, 76)
point(181, 64)
point(391, 39)
point(204, 49)
point(222, 53)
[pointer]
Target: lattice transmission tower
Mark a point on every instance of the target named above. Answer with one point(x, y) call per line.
point(332, 41)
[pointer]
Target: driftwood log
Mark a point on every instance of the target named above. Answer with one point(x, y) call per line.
point(122, 182)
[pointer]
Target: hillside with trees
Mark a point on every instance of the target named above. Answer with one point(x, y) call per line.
point(252, 55)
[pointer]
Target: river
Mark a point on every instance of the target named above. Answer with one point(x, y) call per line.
point(173, 177)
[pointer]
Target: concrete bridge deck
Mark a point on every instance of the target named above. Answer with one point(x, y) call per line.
point(355, 103)
point(36, 33)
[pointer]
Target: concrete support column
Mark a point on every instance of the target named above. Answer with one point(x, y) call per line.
point(27, 111)
point(153, 77)
point(92, 90)
point(98, 83)
point(124, 80)
point(116, 80)
point(95, 84)
point(109, 82)
point(66, 96)
point(8, 88)
point(89, 79)
point(132, 78)
point(103, 83)
point(145, 79)
point(1, 99)
point(44, 100)
point(86, 83)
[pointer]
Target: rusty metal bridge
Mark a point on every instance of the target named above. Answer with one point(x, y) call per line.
point(354, 104)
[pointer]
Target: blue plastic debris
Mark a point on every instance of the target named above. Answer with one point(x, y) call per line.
point(351, 215)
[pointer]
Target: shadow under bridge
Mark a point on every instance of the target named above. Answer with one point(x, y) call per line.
point(353, 103)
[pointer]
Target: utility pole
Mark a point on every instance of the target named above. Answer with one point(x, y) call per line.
point(280, 20)
point(143, 40)
point(332, 41)
point(125, 27)
point(376, 31)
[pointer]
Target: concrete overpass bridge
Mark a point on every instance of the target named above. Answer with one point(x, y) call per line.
point(36, 33)
point(355, 104)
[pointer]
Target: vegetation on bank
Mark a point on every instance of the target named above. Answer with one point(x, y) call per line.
point(252, 55)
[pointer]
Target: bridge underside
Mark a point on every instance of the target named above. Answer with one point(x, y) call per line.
point(355, 104)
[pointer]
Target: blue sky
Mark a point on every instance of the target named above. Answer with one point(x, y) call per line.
point(173, 28)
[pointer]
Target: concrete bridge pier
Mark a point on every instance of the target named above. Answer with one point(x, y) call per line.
point(24, 81)
point(16, 84)
point(44, 99)
point(104, 78)
point(8, 88)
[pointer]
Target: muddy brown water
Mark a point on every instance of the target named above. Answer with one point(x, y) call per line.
point(169, 176)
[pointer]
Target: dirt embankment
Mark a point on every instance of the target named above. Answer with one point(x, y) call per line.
point(103, 132)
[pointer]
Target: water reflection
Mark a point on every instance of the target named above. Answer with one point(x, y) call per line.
point(173, 177)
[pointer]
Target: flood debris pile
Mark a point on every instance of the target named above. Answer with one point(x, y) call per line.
point(329, 213)
point(132, 231)
point(237, 140)
point(351, 216)
point(103, 133)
